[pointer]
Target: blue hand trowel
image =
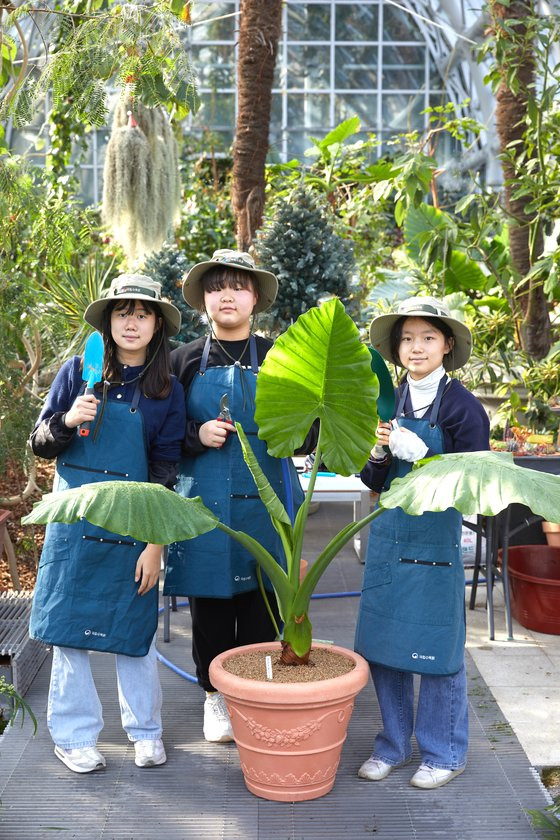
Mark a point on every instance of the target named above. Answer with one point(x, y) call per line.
point(386, 398)
point(93, 369)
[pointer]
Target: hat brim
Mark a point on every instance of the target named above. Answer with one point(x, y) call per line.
point(380, 337)
point(194, 294)
point(170, 314)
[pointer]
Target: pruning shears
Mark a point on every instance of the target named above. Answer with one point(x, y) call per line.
point(225, 413)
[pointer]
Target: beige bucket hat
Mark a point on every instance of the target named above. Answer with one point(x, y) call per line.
point(267, 282)
point(135, 287)
point(422, 307)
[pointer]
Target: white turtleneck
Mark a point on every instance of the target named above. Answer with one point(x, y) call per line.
point(423, 391)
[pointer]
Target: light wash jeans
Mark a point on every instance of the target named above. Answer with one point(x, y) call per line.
point(74, 713)
point(442, 722)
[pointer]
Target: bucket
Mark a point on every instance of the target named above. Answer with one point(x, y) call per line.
point(534, 585)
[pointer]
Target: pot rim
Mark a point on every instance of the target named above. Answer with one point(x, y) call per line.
point(304, 691)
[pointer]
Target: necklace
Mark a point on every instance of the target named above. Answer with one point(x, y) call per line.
point(236, 362)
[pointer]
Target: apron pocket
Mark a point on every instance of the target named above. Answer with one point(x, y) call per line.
point(427, 591)
point(377, 574)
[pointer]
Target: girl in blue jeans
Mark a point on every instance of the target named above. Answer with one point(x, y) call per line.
point(412, 610)
point(97, 590)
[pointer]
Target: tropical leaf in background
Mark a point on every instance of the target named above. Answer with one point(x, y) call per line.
point(463, 273)
point(472, 483)
point(311, 372)
point(72, 294)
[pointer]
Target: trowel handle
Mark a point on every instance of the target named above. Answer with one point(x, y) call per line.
point(84, 427)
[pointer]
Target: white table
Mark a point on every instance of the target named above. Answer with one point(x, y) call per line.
point(340, 488)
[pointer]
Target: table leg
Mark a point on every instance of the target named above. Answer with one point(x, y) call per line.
point(361, 510)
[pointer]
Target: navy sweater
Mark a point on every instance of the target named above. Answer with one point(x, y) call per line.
point(462, 419)
point(164, 420)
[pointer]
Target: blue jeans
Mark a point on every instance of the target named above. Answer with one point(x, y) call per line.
point(74, 713)
point(442, 723)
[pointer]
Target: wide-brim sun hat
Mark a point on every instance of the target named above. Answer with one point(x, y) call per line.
point(422, 307)
point(267, 282)
point(135, 287)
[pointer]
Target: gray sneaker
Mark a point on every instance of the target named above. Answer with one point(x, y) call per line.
point(217, 725)
point(149, 752)
point(81, 759)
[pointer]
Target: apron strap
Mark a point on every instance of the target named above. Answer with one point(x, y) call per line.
point(135, 399)
point(437, 402)
point(252, 353)
point(435, 405)
point(402, 400)
point(205, 354)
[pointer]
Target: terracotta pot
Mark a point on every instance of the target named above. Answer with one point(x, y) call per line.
point(552, 532)
point(289, 735)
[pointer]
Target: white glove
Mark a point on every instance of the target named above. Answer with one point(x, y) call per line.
point(406, 445)
point(378, 453)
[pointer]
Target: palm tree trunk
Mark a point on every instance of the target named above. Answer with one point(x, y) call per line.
point(258, 44)
point(525, 233)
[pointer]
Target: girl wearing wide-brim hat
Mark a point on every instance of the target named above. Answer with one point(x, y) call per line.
point(97, 590)
point(218, 373)
point(412, 610)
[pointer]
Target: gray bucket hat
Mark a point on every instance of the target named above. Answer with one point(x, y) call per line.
point(135, 287)
point(422, 307)
point(267, 282)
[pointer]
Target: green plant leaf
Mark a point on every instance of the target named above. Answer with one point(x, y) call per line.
point(340, 133)
point(472, 483)
point(463, 273)
point(318, 368)
point(145, 511)
point(419, 223)
point(271, 501)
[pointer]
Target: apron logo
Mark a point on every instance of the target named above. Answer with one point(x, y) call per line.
point(94, 633)
point(423, 656)
point(237, 578)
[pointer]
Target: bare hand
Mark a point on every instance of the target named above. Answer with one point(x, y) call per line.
point(83, 411)
point(148, 568)
point(213, 433)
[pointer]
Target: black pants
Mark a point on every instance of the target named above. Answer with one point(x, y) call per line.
point(219, 624)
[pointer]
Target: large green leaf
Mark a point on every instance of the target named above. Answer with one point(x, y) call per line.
point(474, 482)
point(147, 512)
point(420, 223)
point(319, 368)
point(265, 490)
point(463, 273)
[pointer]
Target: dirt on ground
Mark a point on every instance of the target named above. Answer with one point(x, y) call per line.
point(27, 540)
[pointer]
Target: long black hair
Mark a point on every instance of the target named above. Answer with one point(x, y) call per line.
point(156, 380)
point(397, 328)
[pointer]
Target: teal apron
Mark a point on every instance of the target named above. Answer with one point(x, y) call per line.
point(412, 609)
point(86, 596)
point(214, 565)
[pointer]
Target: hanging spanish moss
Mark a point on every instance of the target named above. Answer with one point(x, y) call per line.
point(141, 187)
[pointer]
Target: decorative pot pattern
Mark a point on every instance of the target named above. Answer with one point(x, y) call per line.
point(289, 735)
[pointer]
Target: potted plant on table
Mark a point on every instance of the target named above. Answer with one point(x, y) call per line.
point(318, 369)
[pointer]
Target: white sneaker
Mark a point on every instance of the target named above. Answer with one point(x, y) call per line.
point(81, 759)
point(149, 753)
point(375, 769)
point(217, 725)
point(429, 778)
